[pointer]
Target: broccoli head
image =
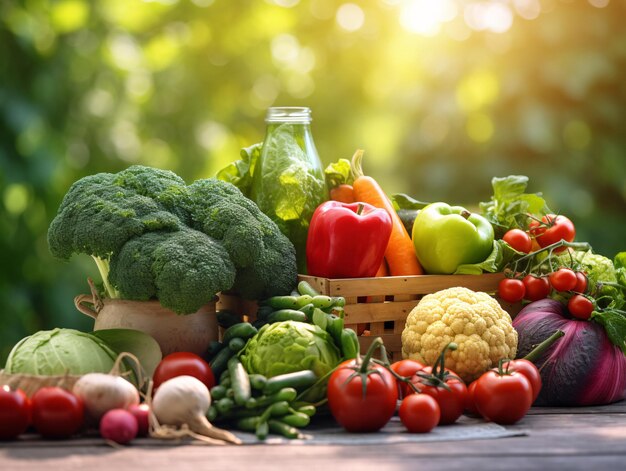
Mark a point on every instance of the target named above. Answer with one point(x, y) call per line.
point(183, 270)
point(153, 236)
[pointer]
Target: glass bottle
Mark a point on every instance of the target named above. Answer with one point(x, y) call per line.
point(288, 181)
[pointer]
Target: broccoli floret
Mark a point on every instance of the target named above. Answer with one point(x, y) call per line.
point(183, 270)
point(264, 256)
point(273, 272)
point(97, 217)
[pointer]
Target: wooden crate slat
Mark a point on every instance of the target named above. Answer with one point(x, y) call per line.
point(378, 312)
point(398, 285)
point(392, 342)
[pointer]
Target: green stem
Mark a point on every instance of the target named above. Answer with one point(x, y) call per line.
point(377, 343)
point(357, 166)
point(543, 346)
point(103, 268)
point(439, 368)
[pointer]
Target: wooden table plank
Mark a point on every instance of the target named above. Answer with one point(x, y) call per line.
point(572, 438)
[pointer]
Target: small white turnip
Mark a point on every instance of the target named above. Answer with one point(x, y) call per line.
point(185, 400)
point(118, 425)
point(102, 392)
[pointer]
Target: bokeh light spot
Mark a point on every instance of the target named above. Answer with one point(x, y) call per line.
point(16, 198)
point(479, 127)
point(69, 15)
point(350, 17)
point(478, 89)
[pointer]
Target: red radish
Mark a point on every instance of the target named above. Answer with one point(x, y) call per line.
point(118, 425)
point(142, 414)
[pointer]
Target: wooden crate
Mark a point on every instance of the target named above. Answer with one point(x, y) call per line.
point(384, 303)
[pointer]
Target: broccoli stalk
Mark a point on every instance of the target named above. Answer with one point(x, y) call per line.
point(103, 268)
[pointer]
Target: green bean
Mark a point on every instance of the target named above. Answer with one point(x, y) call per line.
point(218, 392)
point(278, 427)
point(240, 381)
point(304, 287)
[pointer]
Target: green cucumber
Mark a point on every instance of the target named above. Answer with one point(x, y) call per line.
point(243, 330)
point(297, 380)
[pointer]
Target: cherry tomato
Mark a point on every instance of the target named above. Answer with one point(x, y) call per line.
point(57, 413)
point(581, 282)
point(528, 369)
point(419, 413)
point(580, 307)
point(15, 412)
point(564, 279)
point(536, 287)
point(452, 401)
point(406, 368)
point(511, 290)
point(553, 228)
point(183, 363)
point(503, 398)
point(519, 240)
point(355, 410)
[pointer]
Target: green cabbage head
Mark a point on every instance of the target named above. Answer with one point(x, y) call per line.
point(289, 346)
point(60, 351)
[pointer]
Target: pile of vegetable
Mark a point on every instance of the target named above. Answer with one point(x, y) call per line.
point(155, 237)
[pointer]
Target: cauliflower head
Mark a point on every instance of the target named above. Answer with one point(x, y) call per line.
point(474, 320)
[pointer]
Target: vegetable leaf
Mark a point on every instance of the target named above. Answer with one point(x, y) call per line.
point(614, 323)
point(501, 254)
point(403, 201)
point(510, 204)
point(240, 172)
point(338, 173)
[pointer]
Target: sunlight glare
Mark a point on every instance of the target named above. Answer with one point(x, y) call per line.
point(424, 17)
point(495, 17)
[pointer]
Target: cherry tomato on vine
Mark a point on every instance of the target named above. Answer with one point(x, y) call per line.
point(581, 282)
point(536, 287)
point(503, 398)
point(564, 279)
point(511, 290)
point(183, 363)
point(580, 307)
point(15, 412)
point(357, 409)
point(406, 368)
point(528, 369)
point(519, 240)
point(553, 228)
point(57, 413)
point(419, 413)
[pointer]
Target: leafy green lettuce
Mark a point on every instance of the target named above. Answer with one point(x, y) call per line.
point(510, 204)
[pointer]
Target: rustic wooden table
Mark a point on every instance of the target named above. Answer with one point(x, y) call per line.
point(568, 439)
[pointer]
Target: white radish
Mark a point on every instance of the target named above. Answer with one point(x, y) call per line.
point(184, 401)
point(102, 392)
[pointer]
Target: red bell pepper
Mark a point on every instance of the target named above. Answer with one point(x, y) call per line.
point(347, 240)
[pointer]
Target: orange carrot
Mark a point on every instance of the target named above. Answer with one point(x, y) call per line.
point(400, 253)
point(343, 193)
point(383, 270)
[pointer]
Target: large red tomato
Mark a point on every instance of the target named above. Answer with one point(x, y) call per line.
point(57, 413)
point(183, 363)
point(15, 412)
point(452, 398)
point(503, 398)
point(358, 408)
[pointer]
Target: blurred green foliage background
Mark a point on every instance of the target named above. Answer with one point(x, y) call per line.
point(441, 94)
